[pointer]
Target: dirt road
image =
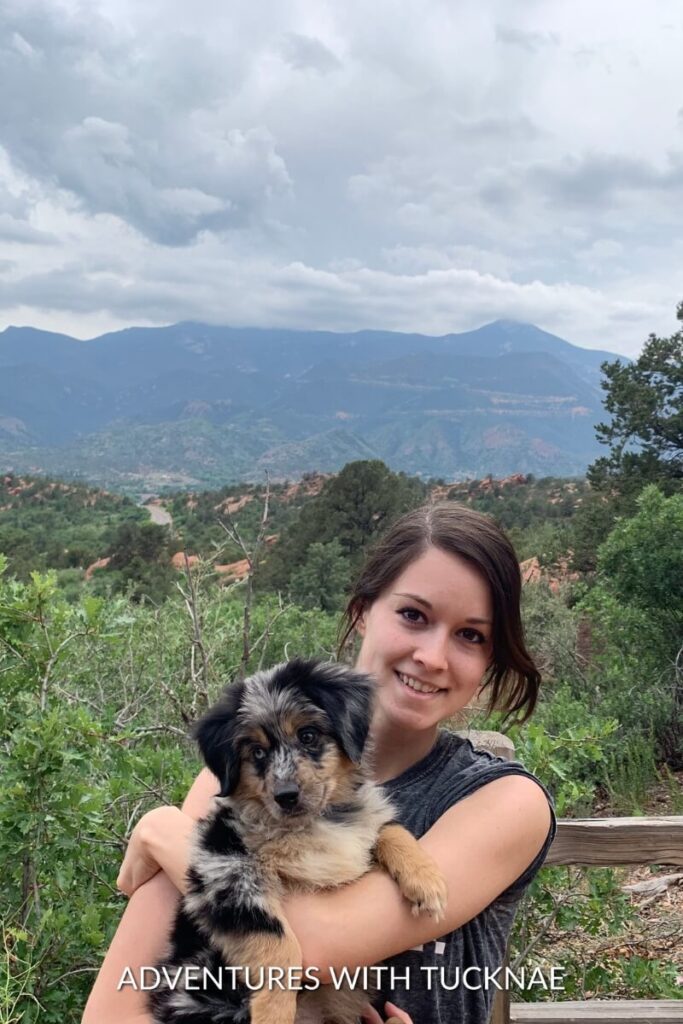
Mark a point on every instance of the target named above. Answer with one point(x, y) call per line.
point(160, 515)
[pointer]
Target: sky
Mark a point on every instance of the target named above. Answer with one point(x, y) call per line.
point(429, 166)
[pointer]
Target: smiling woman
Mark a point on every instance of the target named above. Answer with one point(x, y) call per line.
point(445, 573)
point(435, 626)
point(437, 608)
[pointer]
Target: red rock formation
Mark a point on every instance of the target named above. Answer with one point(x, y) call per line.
point(101, 563)
point(233, 570)
point(178, 560)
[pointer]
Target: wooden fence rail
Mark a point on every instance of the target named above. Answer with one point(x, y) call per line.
point(599, 1011)
point(613, 842)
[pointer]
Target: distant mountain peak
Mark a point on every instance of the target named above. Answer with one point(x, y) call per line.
point(206, 402)
point(519, 327)
point(509, 325)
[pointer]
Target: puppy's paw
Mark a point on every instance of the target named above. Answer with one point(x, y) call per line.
point(426, 891)
point(416, 874)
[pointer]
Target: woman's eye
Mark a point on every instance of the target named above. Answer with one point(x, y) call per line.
point(258, 753)
point(411, 614)
point(473, 636)
point(308, 737)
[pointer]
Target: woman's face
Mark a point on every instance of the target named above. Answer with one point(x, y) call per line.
point(427, 640)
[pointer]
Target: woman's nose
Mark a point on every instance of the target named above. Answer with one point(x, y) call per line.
point(432, 652)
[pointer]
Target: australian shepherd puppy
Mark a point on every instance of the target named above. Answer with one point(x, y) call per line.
point(296, 811)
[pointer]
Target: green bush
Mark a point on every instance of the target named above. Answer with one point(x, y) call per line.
point(322, 579)
point(636, 612)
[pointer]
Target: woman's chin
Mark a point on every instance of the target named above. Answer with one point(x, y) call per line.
point(411, 714)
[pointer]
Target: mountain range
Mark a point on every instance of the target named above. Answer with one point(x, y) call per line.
point(198, 405)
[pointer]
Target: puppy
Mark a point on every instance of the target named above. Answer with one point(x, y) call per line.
point(296, 811)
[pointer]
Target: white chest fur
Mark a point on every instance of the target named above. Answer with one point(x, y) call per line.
point(338, 851)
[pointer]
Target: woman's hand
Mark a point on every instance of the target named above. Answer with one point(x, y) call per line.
point(160, 840)
point(371, 1016)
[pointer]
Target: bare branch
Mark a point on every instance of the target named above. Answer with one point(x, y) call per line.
point(252, 560)
point(546, 924)
point(172, 730)
point(265, 635)
point(14, 651)
point(82, 970)
point(131, 819)
point(51, 664)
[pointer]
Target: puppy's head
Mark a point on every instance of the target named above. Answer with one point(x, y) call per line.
point(289, 740)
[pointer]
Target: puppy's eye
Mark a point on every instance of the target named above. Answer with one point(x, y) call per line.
point(259, 753)
point(308, 737)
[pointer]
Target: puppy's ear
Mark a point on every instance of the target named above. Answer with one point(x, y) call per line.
point(346, 697)
point(215, 734)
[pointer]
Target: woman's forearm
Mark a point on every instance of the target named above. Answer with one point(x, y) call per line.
point(167, 840)
point(140, 941)
point(160, 839)
point(142, 935)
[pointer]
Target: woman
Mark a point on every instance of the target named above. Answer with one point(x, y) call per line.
point(437, 608)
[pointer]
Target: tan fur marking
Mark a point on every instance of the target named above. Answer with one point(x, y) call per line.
point(258, 736)
point(250, 785)
point(268, 1005)
point(309, 774)
point(343, 775)
point(291, 723)
point(416, 874)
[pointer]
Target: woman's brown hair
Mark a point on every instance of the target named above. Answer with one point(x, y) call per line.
point(512, 679)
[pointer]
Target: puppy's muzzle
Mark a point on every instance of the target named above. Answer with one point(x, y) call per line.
point(286, 795)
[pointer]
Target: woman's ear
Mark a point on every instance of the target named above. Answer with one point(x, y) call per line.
point(360, 624)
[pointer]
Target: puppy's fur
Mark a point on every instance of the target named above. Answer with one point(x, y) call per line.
point(296, 811)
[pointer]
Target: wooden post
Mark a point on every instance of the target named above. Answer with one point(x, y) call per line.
point(495, 743)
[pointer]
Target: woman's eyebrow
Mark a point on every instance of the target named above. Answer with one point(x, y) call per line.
point(426, 604)
point(413, 597)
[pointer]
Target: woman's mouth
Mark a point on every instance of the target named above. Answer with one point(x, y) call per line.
point(416, 686)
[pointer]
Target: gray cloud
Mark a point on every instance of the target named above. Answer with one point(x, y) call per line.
point(131, 127)
point(529, 41)
point(599, 177)
point(175, 186)
point(419, 292)
point(332, 165)
point(303, 52)
point(495, 129)
point(14, 230)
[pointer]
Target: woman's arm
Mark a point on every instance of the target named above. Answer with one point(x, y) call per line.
point(142, 934)
point(482, 845)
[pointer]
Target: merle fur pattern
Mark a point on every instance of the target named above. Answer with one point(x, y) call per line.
point(296, 811)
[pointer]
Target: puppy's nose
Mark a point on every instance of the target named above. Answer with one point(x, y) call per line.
point(286, 795)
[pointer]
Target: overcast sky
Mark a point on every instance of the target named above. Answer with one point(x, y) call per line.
point(425, 166)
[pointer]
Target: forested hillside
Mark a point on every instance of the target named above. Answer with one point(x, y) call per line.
point(50, 524)
point(196, 405)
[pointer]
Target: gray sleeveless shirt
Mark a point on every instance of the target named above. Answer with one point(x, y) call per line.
point(428, 982)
